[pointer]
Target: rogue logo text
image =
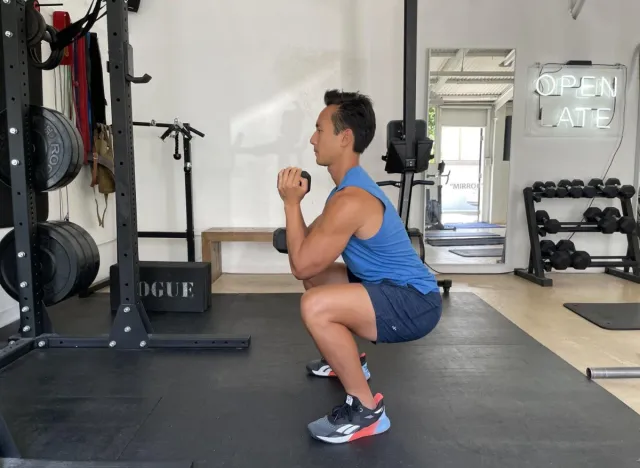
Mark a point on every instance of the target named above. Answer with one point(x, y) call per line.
point(177, 289)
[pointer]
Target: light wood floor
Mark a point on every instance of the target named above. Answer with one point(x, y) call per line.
point(536, 310)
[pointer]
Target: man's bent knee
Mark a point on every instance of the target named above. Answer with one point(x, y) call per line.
point(311, 307)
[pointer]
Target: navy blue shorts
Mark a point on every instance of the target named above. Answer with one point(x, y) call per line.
point(402, 312)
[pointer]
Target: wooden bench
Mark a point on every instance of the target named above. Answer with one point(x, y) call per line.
point(213, 237)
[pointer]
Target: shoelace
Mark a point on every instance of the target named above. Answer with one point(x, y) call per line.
point(344, 410)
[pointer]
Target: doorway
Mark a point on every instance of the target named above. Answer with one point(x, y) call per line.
point(462, 150)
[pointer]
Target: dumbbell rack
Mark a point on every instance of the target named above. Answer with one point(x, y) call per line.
point(619, 266)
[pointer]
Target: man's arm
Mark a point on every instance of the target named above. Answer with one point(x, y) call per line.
point(313, 253)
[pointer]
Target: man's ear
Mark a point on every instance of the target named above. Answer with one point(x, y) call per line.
point(347, 137)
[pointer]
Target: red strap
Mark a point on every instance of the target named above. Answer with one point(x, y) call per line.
point(61, 20)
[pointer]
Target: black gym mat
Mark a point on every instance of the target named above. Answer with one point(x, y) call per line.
point(610, 316)
point(469, 241)
point(455, 234)
point(497, 252)
point(477, 392)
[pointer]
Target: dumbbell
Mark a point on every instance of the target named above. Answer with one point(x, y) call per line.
point(625, 224)
point(574, 192)
point(609, 191)
point(546, 190)
point(561, 192)
point(280, 240)
point(608, 224)
point(624, 191)
point(580, 260)
point(586, 190)
point(559, 260)
point(551, 226)
point(280, 234)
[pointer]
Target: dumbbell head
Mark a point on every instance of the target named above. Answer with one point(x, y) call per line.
point(626, 191)
point(627, 225)
point(548, 191)
point(552, 226)
point(586, 191)
point(575, 192)
point(608, 221)
point(306, 175)
point(580, 260)
point(547, 248)
point(560, 260)
point(280, 240)
point(565, 245)
point(591, 214)
point(609, 191)
point(611, 212)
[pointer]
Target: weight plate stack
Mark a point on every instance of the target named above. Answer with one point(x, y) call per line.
point(90, 262)
point(60, 258)
point(57, 149)
point(78, 149)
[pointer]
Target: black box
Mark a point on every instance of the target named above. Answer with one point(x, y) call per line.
point(169, 286)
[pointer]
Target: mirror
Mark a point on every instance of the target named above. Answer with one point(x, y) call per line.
point(469, 119)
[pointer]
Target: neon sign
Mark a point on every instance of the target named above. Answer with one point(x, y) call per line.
point(584, 101)
point(575, 101)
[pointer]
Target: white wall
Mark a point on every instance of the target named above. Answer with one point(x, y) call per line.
point(251, 75)
point(81, 205)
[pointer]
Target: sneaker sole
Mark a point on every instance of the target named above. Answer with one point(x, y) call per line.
point(326, 372)
point(382, 425)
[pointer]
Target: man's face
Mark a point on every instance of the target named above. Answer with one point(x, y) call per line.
point(326, 144)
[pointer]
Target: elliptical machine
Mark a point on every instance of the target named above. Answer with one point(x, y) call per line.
point(408, 148)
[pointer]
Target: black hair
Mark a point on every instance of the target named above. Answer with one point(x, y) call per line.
point(355, 112)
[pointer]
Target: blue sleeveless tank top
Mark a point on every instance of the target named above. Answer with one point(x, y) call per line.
point(388, 255)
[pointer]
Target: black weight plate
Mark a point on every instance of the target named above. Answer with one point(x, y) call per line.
point(36, 27)
point(74, 154)
point(95, 253)
point(77, 250)
point(90, 262)
point(80, 247)
point(53, 145)
point(58, 264)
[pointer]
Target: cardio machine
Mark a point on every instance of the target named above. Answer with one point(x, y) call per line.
point(408, 148)
point(398, 162)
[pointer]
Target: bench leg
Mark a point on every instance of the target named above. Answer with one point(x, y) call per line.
point(211, 252)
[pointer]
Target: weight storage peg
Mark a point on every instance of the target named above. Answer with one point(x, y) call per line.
point(624, 191)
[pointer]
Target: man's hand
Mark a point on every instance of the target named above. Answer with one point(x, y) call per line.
point(292, 186)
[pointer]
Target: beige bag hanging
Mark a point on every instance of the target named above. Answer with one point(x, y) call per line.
point(103, 170)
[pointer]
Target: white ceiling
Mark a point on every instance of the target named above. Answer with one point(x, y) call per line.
point(471, 75)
